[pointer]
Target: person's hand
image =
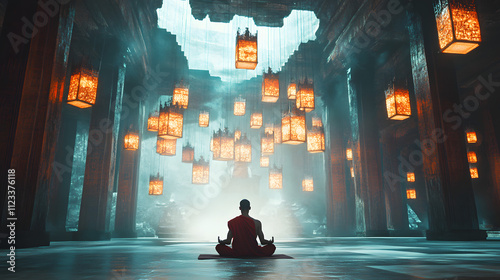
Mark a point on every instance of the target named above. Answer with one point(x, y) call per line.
point(220, 241)
point(271, 241)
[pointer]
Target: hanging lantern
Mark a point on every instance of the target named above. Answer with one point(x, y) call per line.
point(292, 91)
point(269, 128)
point(256, 120)
point(275, 178)
point(315, 140)
point(166, 147)
point(237, 135)
point(348, 154)
point(187, 153)
point(267, 144)
point(239, 106)
point(155, 185)
point(411, 194)
point(397, 101)
point(215, 142)
point(243, 150)
point(264, 161)
point(223, 146)
point(316, 122)
point(472, 157)
point(153, 122)
point(277, 134)
point(170, 122)
point(204, 119)
point(83, 88)
point(410, 177)
point(131, 141)
point(201, 172)
point(181, 96)
point(474, 174)
point(308, 184)
point(270, 87)
point(352, 172)
point(246, 50)
point(305, 96)
point(471, 137)
point(457, 25)
point(293, 127)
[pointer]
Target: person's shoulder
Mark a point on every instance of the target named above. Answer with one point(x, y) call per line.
point(257, 221)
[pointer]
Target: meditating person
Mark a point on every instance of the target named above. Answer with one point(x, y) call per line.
point(244, 231)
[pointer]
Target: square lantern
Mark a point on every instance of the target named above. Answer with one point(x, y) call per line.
point(267, 144)
point(348, 154)
point(472, 157)
point(269, 128)
point(305, 97)
point(410, 177)
point(256, 120)
point(83, 87)
point(187, 153)
point(411, 194)
point(131, 141)
point(166, 147)
point(246, 50)
point(204, 119)
point(243, 150)
point(239, 106)
point(474, 174)
point(275, 178)
point(352, 172)
point(155, 185)
point(264, 161)
point(471, 137)
point(270, 87)
point(308, 184)
point(293, 127)
point(457, 25)
point(181, 96)
point(201, 172)
point(237, 135)
point(170, 122)
point(316, 122)
point(397, 102)
point(292, 91)
point(316, 140)
point(223, 146)
point(153, 121)
point(277, 134)
point(215, 142)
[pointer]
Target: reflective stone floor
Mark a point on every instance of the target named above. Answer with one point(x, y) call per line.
point(325, 258)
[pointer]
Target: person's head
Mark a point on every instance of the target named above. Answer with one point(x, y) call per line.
point(244, 205)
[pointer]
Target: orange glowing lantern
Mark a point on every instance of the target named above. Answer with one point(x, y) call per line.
point(131, 141)
point(83, 88)
point(410, 177)
point(269, 128)
point(237, 135)
point(153, 122)
point(187, 153)
point(239, 106)
point(170, 122)
point(472, 157)
point(352, 172)
point(256, 120)
point(411, 194)
point(348, 154)
point(316, 122)
point(201, 172)
point(155, 185)
point(267, 144)
point(243, 150)
point(292, 91)
point(397, 101)
point(166, 147)
point(204, 119)
point(277, 134)
point(474, 174)
point(223, 146)
point(293, 127)
point(181, 96)
point(270, 87)
point(471, 137)
point(275, 178)
point(305, 97)
point(264, 161)
point(316, 140)
point(308, 184)
point(457, 25)
point(246, 50)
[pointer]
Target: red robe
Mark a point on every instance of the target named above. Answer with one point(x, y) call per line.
point(244, 240)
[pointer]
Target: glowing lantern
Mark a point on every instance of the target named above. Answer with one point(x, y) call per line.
point(155, 185)
point(316, 122)
point(270, 87)
point(267, 144)
point(201, 172)
point(239, 107)
point(277, 134)
point(256, 120)
point(131, 141)
point(293, 127)
point(410, 177)
point(264, 161)
point(223, 146)
point(269, 129)
point(237, 135)
point(458, 26)
point(215, 142)
point(474, 174)
point(472, 157)
point(246, 50)
point(397, 101)
point(204, 119)
point(243, 150)
point(292, 91)
point(305, 97)
point(181, 96)
point(352, 172)
point(153, 122)
point(348, 154)
point(315, 140)
point(275, 178)
point(411, 194)
point(187, 153)
point(170, 122)
point(166, 147)
point(83, 88)
point(308, 184)
point(471, 137)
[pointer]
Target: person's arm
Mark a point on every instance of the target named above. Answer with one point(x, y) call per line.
point(260, 234)
point(226, 241)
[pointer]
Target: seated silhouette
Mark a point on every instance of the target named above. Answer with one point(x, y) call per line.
point(243, 230)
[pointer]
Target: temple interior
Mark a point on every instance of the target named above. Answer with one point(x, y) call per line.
point(365, 134)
